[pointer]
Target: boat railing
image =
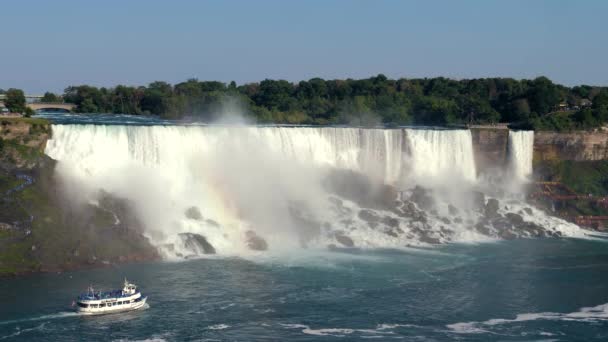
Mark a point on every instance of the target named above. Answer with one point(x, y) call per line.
point(104, 295)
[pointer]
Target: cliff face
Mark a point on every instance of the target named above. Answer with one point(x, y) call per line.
point(490, 148)
point(39, 229)
point(577, 146)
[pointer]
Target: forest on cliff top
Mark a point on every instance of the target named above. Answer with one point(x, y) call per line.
point(533, 104)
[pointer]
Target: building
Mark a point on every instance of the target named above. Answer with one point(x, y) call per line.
point(586, 103)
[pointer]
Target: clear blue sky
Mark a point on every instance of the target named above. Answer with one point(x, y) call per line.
point(48, 45)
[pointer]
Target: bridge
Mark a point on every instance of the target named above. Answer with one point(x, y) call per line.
point(44, 106)
point(33, 102)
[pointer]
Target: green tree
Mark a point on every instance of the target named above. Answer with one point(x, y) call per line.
point(50, 98)
point(15, 100)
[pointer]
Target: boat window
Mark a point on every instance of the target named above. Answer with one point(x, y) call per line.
point(93, 305)
point(119, 303)
point(82, 305)
point(102, 305)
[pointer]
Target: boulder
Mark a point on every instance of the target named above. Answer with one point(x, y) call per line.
point(453, 210)
point(478, 199)
point(429, 239)
point(344, 240)
point(197, 243)
point(255, 242)
point(422, 198)
point(193, 213)
point(390, 221)
point(515, 219)
point(368, 215)
point(491, 208)
point(528, 211)
point(212, 223)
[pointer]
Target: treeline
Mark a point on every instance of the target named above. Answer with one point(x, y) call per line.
point(538, 103)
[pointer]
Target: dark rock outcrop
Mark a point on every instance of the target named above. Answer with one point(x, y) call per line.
point(344, 240)
point(491, 208)
point(197, 243)
point(255, 242)
point(194, 213)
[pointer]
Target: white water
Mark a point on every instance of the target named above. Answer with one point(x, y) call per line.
point(437, 155)
point(521, 148)
point(247, 178)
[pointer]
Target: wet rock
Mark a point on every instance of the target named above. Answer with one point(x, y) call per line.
point(501, 224)
point(197, 243)
point(169, 247)
point(360, 189)
point(507, 235)
point(482, 228)
point(193, 213)
point(255, 242)
point(390, 221)
point(212, 223)
point(422, 198)
point(453, 210)
point(445, 220)
point(479, 200)
point(515, 219)
point(338, 202)
point(491, 209)
point(368, 216)
point(394, 232)
point(528, 211)
point(344, 240)
point(429, 239)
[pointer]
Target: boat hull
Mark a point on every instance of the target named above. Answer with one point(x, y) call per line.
point(114, 309)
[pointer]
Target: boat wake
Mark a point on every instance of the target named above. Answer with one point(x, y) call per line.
point(63, 314)
point(586, 315)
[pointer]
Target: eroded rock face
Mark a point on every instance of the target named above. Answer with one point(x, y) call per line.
point(255, 242)
point(196, 243)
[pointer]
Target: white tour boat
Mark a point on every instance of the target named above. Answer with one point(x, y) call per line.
point(92, 303)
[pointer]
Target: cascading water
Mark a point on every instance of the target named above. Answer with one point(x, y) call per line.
point(521, 145)
point(441, 154)
point(241, 186)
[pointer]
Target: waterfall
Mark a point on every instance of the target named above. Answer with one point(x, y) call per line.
point(521, 148)
point(442, 154)
point(223, 182)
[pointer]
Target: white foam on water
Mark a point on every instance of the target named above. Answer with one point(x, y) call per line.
point(586, 314)
point(21, 331)
point(381, 331)
point(218, 327)
point(43, 317)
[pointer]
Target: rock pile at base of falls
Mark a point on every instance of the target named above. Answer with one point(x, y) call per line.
point(255, 242)
point(419, 215)
point(196, 244)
